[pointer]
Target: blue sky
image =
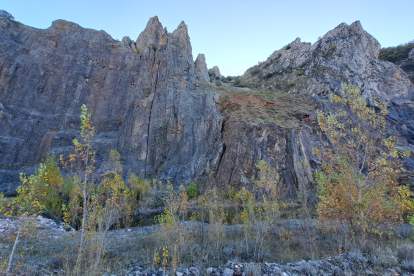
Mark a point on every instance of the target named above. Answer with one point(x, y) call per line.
point(233, 35)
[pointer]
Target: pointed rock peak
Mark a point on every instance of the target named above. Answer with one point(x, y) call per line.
point(200, 68)
point(154, 22)
point(356, 26)
point(151, 36)
point(182, 31)
point(346, 35)
point(201, 58)
point(182, 26)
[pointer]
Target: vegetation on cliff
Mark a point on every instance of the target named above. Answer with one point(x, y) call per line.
point(396, 54)
point(357, 182)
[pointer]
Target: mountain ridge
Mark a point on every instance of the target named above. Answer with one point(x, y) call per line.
point(153, 103)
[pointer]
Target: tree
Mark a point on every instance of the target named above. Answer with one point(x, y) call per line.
point(99, 202)
point(93, 204)
point(360, 165)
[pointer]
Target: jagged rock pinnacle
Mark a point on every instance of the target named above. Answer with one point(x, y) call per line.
point(200, 68)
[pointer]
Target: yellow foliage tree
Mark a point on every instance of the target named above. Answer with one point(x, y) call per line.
point(360, 166)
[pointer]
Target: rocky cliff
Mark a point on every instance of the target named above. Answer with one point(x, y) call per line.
point(156, 106)
point(143, 96)
point(345, 55)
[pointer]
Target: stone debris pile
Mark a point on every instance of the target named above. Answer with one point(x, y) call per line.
point(9, 224)
point(353, 263)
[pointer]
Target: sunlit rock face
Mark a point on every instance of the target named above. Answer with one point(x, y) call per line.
point(153, 103)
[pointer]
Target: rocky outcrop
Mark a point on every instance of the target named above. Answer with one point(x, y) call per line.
point(214, 73)
point(287, 150)
point(345, 55)
point(154, 104)
point(201, 71)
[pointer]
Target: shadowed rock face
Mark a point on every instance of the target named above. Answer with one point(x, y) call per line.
point(144, 104)
point(148, 101)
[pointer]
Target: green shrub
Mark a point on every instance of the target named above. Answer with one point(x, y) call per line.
point(332, 47)
point(300, 73)
point(48, 189)
point(243, 84)
point(395, 54)
point(255, 71)
point(237, 82)
point(291, 84)
point(192, 190)
point(218, 82)
point(139, 186)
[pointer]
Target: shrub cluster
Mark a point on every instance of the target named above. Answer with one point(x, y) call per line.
point(395, 54)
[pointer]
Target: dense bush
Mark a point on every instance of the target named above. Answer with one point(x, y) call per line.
point(192, 190)
point(255, 71)
point(218, 82)
point(395, 54)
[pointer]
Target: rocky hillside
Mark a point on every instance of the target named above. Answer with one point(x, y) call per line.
point(150, 101)
point(345, 55)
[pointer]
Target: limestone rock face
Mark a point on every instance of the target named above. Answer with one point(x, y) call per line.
point(201, 68)
point(144, 101)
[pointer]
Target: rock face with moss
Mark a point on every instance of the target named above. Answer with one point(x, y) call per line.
point(150, 101)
